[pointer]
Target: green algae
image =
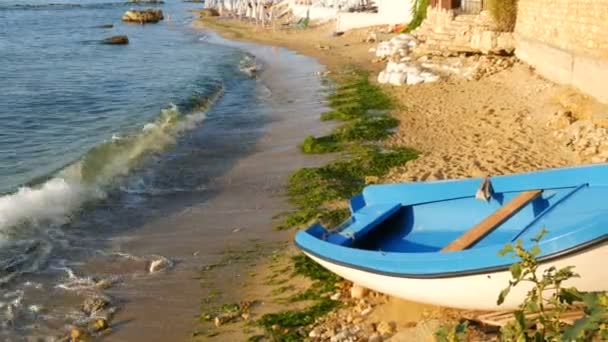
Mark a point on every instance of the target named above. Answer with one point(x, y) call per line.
point(291, 325)
point(312, 189)
point(326, 144)
point(362, 107)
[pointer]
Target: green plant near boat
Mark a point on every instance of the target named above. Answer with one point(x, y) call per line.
point(548, 300)
point(291, 325)
point(455, 333)
point(311, 189)
point(324, 280)
point(320, 193)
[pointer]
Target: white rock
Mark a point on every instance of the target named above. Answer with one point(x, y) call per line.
point(397, 78)
point(35, 308)
point(341, 336)
point(413, 78)
point(383, 77)
point(372, 49)
point(366, 311)
point(355, 330)
point(358, 292)
point(335, 296)
point(401, 67)
point(159, 264)
point(408, 37)
point(411, 69)
point(316, 332)
point(430, 78)
point(391, 67)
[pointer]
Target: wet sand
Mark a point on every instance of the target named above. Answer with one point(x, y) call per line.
point(239, 211)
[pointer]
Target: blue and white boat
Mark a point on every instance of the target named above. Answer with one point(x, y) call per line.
point(437, 242)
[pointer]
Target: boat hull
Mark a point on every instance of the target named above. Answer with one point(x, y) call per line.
point(479, 291)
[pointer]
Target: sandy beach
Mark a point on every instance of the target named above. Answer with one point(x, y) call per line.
point(497, 124)
point(237, 216)
point(493, 126)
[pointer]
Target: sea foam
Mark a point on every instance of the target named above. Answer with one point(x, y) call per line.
point(53, 201)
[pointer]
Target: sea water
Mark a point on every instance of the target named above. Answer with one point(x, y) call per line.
point(90, 131)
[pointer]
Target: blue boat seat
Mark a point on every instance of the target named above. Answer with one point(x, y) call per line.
point(362, 222)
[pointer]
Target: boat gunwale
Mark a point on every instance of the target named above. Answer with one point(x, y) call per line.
point(455, 274)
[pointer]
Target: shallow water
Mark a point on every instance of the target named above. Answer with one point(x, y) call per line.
point(113, 155)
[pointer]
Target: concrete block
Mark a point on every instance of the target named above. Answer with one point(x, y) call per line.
point(551, 62)
point(591, 76)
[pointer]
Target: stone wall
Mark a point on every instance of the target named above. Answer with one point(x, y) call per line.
point(580, 26)
point(443, 32)
point(566, 41)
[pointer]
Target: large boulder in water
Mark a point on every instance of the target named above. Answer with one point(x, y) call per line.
point(147, 16)
point(116, 40)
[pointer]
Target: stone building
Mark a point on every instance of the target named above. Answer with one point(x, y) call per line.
point(566, 41)
point(453, 27)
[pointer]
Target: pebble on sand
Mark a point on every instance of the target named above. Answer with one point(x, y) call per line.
point(159, 265)
point(358, 292)
point(100, 324)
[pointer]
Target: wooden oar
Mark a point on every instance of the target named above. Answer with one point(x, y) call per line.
point(490, 223)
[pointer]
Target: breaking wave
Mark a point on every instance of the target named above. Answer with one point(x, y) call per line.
point(53, 201)
point(249, 65)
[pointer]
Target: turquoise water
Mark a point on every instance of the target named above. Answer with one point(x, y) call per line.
point(62, 93)
point(74, 109)
point(97, 135)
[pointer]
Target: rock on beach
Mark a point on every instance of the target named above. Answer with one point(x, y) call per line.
point(159, 264)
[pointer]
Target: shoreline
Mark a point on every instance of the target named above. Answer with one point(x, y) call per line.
point(239, 212)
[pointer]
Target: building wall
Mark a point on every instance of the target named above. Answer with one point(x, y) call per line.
point(579, 26)
point(314, 12)
point(567, 41)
